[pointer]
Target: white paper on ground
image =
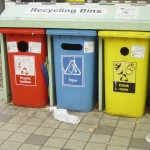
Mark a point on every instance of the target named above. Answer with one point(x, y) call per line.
point(62, 115)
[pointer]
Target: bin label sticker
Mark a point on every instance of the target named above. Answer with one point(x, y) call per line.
point(127, 12)
point(138, 51)
point(89, 47)
point(12, 47)
point(25, 70)
point(124, 76)
point(35, 47)
point(72, 70)
point(66, 11)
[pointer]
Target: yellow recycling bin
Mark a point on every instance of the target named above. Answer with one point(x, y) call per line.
point(126, 56)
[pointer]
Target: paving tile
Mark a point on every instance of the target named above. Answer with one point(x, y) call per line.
point(94, 131)
point(68, 126)
point(91, 120)
point(29, 147)
point(139, 143)
point(55, 142)
point(126, 124)
point(36, 139)
point(2, 102)
point(140, 134)
point(95, 114)
point(112, 147)
point(2, 123)
point(77, 113)
point(50, 148)
point(136, 149)
point(81, 118)
point(76, 145)
point(100, 138)
point(1, 141)
point(120, 141)
point(95, 146)
point(123, 132)
point(8, 145)
point(44, 131)
point(86, 127)
point(107, 116)
point(32, 109)
point(12, 110)
point(27, 129)
point(82, 136)
point(10, 127)
point(34, 121)
point(51, 117)
point(51, 123)
point(5, 134)
point(5, 117)
point(2, 107)
point(144, 119)
point(143, 126)
point(18, 137)
point(1, 96)
point(127, 119)
point(18, 119)
point(108, 122)
point(60, 133)
point(42, 115)
point(1, 88)
point(26, 112)
point(105, 130)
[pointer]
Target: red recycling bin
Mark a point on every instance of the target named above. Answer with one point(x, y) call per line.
point(26, 49)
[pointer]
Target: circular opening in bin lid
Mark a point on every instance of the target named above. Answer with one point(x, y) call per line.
point(22, 46)
point(124, 51)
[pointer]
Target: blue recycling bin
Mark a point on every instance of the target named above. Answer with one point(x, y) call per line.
point(75, 66)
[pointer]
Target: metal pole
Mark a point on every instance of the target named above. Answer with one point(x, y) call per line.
point(2, 5)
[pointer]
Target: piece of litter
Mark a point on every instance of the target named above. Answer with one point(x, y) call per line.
point(148, 140)
point(147, 114)
point(138, 122)
point(10, 103)
point(90, 130)
point(96, 126)
point(62, 115)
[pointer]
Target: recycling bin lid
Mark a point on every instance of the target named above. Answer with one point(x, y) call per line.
point(125, 34)
point(72, 32)
point(21, 31)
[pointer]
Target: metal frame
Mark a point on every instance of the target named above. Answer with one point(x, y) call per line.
point(11, 18)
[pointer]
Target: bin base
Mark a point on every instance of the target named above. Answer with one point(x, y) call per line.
point(125, 111)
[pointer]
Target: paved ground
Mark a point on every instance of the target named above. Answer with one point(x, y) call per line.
point(35, 129)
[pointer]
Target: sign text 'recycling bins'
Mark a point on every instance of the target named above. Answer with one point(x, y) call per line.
point(37, 10)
